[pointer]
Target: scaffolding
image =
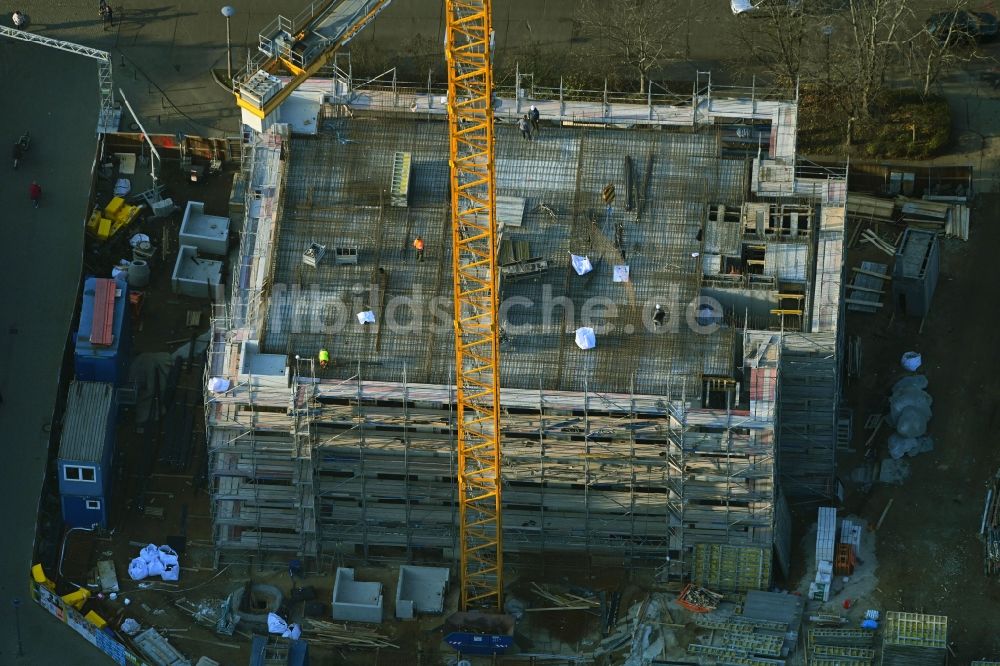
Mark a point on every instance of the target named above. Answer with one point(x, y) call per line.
point(654, 445)
point(808, 413)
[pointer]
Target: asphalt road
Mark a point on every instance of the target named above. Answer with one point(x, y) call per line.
point(162, 53)
point(40, 257)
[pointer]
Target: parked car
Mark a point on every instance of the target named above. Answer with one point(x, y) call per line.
point(962, 25)
point(748, 7)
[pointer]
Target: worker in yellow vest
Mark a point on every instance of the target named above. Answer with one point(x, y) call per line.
point(324, 358)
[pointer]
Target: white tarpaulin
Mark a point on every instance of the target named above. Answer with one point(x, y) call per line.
point(621, 273)
point(581, 265)
point(366, 317)
point(585, 338)
point(275, 624)
point(218, 384)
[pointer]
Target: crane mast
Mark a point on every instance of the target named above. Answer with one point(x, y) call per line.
point(302, 45)
point(474, 271)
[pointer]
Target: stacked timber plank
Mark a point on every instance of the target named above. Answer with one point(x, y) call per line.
point(948, 217)
point(320, 632)
point(914, 639)
point(868, 207)
point(931, 215)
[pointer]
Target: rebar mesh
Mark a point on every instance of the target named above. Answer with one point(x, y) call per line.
point(337, 195)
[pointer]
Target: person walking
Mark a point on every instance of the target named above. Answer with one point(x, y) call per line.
point(35, 192)
point(418, 245)
point(533, 116)
point(658, 316)
point(108, 15)
point(522, 125)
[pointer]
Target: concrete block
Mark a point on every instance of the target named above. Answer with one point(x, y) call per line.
point(420, 590)
point(197, 277)
point(208, 233)
point(356, 601)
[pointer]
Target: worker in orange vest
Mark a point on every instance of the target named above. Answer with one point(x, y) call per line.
point(418, 244)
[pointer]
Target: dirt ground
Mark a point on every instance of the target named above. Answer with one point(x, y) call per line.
point(930, 559)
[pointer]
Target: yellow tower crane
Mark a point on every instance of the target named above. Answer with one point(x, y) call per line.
point(302, 45)
point(474, 271)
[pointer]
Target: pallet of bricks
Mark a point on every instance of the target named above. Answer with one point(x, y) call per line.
point(840, 647)
point(914, 639)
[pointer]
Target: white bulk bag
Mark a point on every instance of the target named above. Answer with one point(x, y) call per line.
point(581, 265)
point(585, 338)
point(138, 569)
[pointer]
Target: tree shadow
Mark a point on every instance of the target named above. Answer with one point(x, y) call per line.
point(122, 18)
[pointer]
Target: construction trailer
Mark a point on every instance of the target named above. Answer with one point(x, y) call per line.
point(86, 453)
point(104, 337)
point(662, 438)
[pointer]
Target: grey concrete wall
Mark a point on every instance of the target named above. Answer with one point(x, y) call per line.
point(354, 600)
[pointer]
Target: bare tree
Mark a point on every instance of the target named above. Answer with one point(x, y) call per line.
point(875, 28)
point(929, 54)
point(779, 40)
point(638, 34)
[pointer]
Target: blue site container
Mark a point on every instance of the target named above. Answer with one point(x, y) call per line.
point(469, 643)
point(86, 453)
point(98, 358)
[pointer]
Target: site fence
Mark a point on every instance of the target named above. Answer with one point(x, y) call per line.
point(101, 638)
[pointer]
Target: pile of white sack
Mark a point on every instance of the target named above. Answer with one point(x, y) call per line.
point(277, 625)
point(909, 412)
point(155, 560)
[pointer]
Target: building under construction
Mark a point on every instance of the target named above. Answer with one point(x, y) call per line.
point(671, 443)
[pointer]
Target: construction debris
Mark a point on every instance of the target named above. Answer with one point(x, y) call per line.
point(642, 630)
point(868, 236)
point(989, 530)
point(698, 599)
point(564, 600)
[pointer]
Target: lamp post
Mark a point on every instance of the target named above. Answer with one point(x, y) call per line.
point(228, 12)
point(827, 30)
point(16, 603)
